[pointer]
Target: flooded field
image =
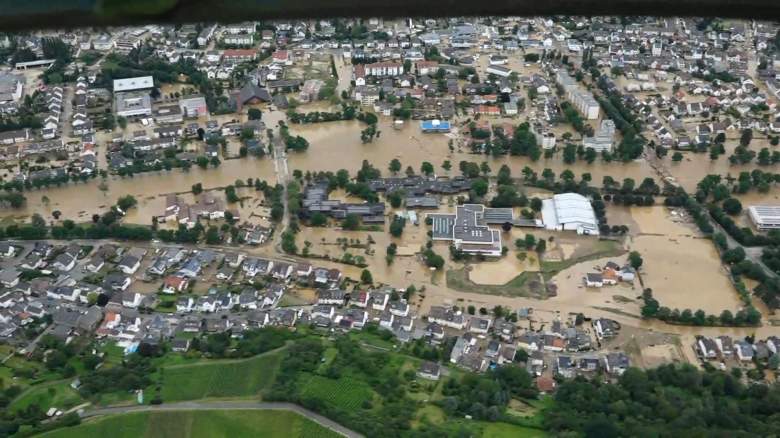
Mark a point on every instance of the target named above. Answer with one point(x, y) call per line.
point(683, 269)
point(503, 270)
point(79, 201)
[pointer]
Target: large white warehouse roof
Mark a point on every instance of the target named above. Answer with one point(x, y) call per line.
point(130, 84)
point(569, 211)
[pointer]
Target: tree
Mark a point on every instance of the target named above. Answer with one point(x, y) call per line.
point(541, 246)
point(397, 226)
point(396, 198)
point(254, 114)
point(366, 277)
point(536, 204)
point(732, 206)
point(479, 186)
point(197, 188)
point(395, 165)
point(677, 156)
point(446, 165)
point(351, 222)
point(318, 220)
point(426, 168)
point(122, 122)
point(635, 259)
point(212, 235)
point(126, 202)
point(746, 137)
point(734, 255)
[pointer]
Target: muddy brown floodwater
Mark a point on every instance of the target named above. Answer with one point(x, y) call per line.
point(683, 268)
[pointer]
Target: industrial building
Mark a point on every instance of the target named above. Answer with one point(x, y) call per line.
point(133, 104)
point(765, 217)
point(133, 84)
point(468, 228)
point(569, 211)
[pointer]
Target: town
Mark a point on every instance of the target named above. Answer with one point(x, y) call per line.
point(530, 203)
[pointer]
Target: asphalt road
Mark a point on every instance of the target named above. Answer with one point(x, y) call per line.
point(228, 405)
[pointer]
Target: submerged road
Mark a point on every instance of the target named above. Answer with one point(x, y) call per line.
point(228, 405)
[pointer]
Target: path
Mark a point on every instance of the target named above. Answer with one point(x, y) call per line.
point(228, 405)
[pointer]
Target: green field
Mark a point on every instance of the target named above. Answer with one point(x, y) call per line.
point(506, 430)
point(345, 392)
point(224, 379)
point(196, 424)
point(57, 394)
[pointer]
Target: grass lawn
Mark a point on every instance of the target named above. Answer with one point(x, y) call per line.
point(458, 279)
point(56, 394)
point(328, 356)
point(506, 430)
point(220, 379)
point(600, 249)
point(197, 424)
point(345, 392)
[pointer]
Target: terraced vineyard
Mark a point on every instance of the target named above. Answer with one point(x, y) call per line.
point(197, 424)
point(219, 379)
point(345, 392)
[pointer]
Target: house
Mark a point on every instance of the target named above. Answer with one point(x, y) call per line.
point(131, 299)
point(360, 299)
point(333, 297)
point(744, 351)
point(324, 311)
point(594, 279)
point(180, 345)
point(606, 328)
point(480, 325)
point(386, 320)
point(616, 363)
point(174, 283)
point(725, 346)
point(379, 300)
point(429, 370)
point(129, 264)
point(281, 271)
point(185, 305)
point(545, 385)
point(399, 308)
point(116, 281)
point(447, 317)
point(564, 366)
point(67, 259)
point(706, 348)
point(7, 250)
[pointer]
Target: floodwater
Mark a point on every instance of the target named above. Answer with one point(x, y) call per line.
point(683, 269)
point(503, 270)
point(79, 201)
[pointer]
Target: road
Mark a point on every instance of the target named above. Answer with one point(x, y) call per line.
point(228, 405)
point(282, 177)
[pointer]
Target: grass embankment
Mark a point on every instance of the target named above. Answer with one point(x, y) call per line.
point(531, 284)
point(220, 379)
point(196, 424)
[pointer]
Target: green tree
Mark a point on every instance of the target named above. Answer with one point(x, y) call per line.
point(635, 259)
point(254, 114)
point(426, 168)
point(126, 202)
point(395, 165)
point(318, 220)
point(479, 186)
point(366, 277)
point(351, 222)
